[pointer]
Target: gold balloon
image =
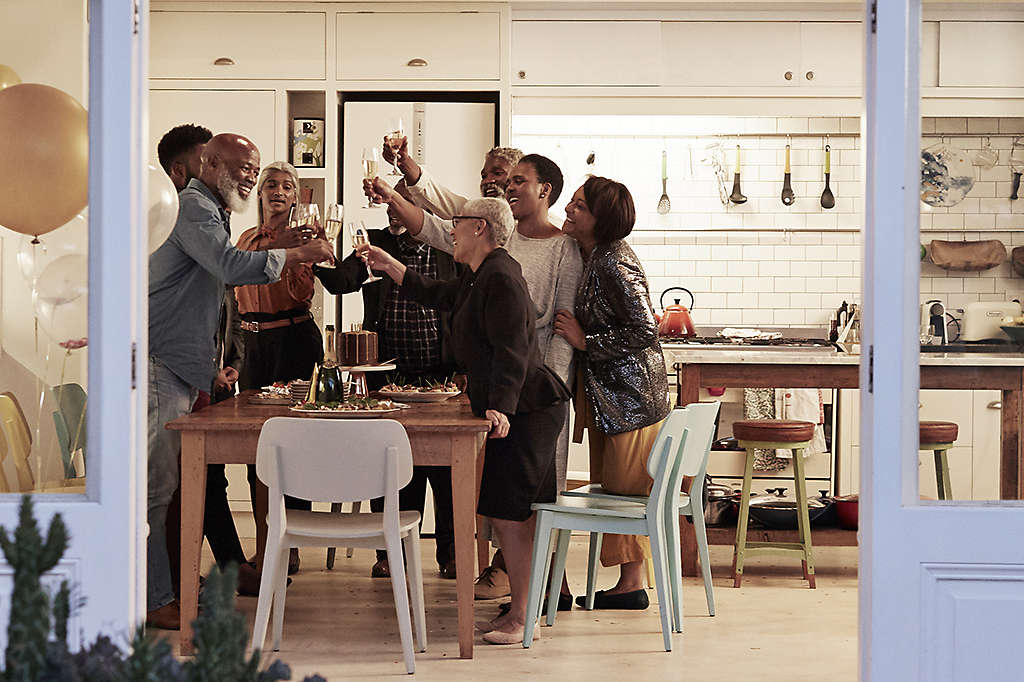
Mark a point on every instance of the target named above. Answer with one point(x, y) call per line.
point(8, 77)
point(44, 158)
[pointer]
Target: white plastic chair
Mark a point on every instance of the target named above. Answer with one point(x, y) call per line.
point(332, 460)
point(693, 463)
point(626, 515)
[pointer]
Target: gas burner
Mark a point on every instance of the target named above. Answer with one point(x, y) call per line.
point(721, 341)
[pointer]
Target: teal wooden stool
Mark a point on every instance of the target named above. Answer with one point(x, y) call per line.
point(772, 434)
point(939, 437)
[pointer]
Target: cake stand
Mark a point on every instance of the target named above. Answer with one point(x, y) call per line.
point(357, 376)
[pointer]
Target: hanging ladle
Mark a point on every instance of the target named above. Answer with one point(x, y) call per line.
point(737, 196)
point(827, 199)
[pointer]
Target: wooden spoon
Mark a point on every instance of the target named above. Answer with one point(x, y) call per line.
point(827, 199)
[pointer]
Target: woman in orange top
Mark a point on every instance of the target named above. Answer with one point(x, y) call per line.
point(281, 340)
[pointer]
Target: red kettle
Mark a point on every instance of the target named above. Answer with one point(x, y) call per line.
point(675, 319)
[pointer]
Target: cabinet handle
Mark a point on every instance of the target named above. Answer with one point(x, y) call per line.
point(788, 75)
point(810, 75)
point(522, 75)
point(223, 61)
point(995, 405)
point(416, 61)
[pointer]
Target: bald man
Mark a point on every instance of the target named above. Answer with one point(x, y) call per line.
point(187, 275)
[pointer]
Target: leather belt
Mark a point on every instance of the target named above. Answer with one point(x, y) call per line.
point(257, 327)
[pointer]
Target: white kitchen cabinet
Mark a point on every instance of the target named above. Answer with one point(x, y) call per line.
point(246, 112)
point(238, 45)
point(981, 54)
point(929, 54)
point(391, 46)
point(587, 53)
point(733, 53)
point(831, 54)
point(973, 461)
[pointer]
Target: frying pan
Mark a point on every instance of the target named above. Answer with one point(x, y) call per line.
point(737, 196)
point(787, 188)
point(827, 198)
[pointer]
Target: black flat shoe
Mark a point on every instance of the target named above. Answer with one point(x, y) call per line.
point(564, 604)
point(626, 601)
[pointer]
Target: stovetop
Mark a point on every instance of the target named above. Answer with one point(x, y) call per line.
point(723, 342)
point(974, 347)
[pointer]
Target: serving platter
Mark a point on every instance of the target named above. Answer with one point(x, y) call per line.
point(419, 396)
point(348, 414)
point(270, 399)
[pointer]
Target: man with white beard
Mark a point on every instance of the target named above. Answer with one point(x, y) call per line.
point(187, 275)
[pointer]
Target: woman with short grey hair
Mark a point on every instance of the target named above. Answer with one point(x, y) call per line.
point(497, 214)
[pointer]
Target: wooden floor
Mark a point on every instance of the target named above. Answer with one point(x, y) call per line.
point(342, 624)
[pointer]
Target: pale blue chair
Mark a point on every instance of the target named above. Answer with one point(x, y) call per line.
point(655, 516)
point(693, 463)
point(69, 423)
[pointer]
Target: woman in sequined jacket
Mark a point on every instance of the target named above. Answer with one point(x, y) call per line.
point(622, 386)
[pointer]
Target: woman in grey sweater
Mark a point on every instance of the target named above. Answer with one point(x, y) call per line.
point(624, 396)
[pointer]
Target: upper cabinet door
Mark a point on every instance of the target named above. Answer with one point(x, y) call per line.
point(588, 53)
point(238, 45)
point(976, 54)
point(419, 46)
point(831, 54)
point(929, 54)
point(737, 54)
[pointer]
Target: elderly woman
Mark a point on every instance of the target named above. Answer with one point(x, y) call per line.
point(494, 340)
point(280, 338)
point(621, 368)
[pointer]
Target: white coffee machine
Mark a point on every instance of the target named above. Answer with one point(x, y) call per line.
point(933, 321)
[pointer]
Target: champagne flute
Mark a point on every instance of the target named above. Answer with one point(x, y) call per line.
point(300, 215)
point(371, 161)
point(332, 226)
point(359, 237)
point(396, 131)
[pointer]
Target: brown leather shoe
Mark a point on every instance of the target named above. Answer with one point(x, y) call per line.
point(492, 584)
point(447, 570)
point(248, 581)
point(167, 617)
point(381, 569)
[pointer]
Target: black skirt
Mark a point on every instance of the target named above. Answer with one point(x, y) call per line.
point(519, 469)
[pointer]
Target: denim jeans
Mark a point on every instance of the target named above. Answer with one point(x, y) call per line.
point(169, 398)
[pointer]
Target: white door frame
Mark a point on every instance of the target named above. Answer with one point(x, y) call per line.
point(105, 561)
point(941, 586)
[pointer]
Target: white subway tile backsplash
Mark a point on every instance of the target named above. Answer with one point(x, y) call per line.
point(762, 263)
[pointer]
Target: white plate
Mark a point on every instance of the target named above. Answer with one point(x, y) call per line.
point(419, 396)
point(350, 414)
point(273, 399)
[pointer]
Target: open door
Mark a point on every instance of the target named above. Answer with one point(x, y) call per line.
point(942, 582)
point(90, 386)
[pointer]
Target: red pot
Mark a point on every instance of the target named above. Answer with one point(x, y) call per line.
point(846, 511)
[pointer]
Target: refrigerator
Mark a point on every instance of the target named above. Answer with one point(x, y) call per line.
point(449, 134)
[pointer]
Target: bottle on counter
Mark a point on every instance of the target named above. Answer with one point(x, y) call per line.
point(330, 345)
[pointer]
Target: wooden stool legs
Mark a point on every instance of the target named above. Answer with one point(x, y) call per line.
point(943, 483)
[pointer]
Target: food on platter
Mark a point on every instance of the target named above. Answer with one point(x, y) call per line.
point(276, 388)
point(350, 405)
point(277, 393)
point(357, 348)
point(420, 391)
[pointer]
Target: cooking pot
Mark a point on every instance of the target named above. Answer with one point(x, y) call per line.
point(775, 510)
point(718, 504)
point(847, 507)
point(675, 319)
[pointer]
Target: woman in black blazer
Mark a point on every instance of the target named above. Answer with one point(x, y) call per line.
point(494, 343)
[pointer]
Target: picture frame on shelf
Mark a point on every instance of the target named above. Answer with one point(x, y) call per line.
point(308, 142)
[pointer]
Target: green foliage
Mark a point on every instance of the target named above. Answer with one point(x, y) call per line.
point(220, 635)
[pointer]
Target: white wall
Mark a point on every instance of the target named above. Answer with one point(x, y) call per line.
point(761, 263)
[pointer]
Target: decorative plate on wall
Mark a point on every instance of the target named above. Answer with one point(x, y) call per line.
point(947, 175)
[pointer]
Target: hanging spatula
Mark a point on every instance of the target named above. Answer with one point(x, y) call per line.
point(827, 198)
point(737, 196)
point(1016, 166)
point(787, 188)
point(664, 205)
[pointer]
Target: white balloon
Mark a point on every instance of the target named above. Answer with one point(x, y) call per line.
point(61, 301)
point(34, 255)
point(163, 207)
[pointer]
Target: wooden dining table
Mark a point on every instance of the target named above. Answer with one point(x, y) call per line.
point(441, 434)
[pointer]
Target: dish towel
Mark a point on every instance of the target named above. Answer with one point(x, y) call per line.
point(802, 404)
point(759, 403)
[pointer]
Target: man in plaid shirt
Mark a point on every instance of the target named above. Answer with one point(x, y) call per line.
point(418, 338)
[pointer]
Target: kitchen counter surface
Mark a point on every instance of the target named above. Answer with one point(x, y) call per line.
point(681, 353)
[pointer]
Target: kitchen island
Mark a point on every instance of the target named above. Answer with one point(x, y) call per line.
point(749, 367)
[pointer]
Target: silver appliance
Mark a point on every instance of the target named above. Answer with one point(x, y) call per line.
point(982, 319)
point(933, 321)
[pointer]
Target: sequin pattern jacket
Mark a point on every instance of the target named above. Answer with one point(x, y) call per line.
point(623, 367)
